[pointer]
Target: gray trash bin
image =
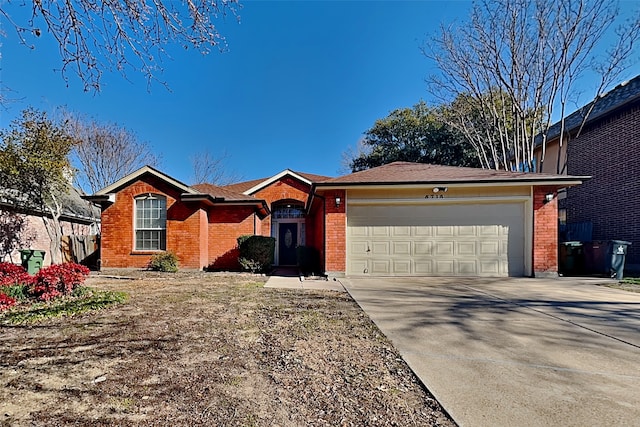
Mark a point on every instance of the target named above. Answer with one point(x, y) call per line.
point(617, 254)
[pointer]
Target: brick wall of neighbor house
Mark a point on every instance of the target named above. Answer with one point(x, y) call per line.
point(608, 151)
point(545, 232)
point(336, 228)
point(38, 238)
point(286, 188)
point(117, 244)
point(226, 224)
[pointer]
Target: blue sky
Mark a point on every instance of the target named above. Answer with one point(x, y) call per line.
point(300, 83)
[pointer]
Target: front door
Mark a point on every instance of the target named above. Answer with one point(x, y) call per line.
point(287, 243)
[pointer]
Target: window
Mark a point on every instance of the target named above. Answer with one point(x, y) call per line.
point(151, 223)
point(288, 211)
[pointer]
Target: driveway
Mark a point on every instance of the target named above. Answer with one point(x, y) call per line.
point(515, 352)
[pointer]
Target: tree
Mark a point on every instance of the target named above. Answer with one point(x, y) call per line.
point(516, 65)
point(35, 170)
point(95, 36)
point(411, 135)
point(207, 168)
point(13, 232)
point(105, 152)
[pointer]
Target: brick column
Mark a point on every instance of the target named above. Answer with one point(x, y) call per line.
point(545, 233)
point(335, 235)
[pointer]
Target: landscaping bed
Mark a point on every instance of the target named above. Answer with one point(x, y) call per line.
point(209, 349)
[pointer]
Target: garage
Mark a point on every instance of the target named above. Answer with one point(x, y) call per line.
point(436, 239)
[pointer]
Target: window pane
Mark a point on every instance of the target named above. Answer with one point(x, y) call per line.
point(151, 223)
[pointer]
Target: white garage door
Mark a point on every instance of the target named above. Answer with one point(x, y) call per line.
point(436, 240)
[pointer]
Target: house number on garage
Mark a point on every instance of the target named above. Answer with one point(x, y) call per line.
point(434, 196)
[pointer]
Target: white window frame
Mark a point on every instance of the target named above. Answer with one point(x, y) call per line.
point(154, 232)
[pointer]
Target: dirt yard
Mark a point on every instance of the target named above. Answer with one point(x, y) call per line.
point(208, 349)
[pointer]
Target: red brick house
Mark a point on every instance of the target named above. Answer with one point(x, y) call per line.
point(605, 148)
point(398, 219)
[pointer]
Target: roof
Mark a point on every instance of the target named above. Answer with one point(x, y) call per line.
point(73, 207)
point(145, 170)
point(250, 187)
point(402, 173)
point(222, 192)
point(617, 97)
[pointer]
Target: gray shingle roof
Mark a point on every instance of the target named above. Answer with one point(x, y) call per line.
point(617, 97)
point(419, 173)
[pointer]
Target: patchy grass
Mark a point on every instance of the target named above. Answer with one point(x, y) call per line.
point(630, 284)
point(83, 300)
point(209, 349)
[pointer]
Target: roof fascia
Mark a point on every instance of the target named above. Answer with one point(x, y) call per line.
point(268, 182)
point(569, 181)
point(142, 171)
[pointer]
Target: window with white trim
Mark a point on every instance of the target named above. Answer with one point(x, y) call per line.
point(151, 223)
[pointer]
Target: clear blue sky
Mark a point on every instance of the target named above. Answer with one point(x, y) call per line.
point(300, 82)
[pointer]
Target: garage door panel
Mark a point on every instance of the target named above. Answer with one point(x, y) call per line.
point(401, 231)
point(444, 240)
point(466, 248)
point(380, 266)
point(401, 266)
point(491, 267)
point(444, 267)
point(466, 268)
point(380, 248)
point(445, 248)
point(401, 248)
point(422, 248)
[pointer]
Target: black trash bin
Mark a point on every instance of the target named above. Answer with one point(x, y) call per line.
point(571, 258)
point(617, 255)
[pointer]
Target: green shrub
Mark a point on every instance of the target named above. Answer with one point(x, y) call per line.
point(256, 252)
point(19, 292)
point(164, 261)
point(308, 259)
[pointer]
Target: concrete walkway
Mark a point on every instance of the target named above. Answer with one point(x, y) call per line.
point(288, 280)
point(515, 352)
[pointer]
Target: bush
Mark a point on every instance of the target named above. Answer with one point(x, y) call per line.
point(164, 261)
point(18, 292)
point(58, 280)
point(308, 259)
point(256, 252)
point(13, 274)
point(6, 302)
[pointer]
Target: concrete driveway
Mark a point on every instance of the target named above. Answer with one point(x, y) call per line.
point(515, 352)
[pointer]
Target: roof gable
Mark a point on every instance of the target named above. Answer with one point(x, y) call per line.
point(258, 185)
point(145, 170)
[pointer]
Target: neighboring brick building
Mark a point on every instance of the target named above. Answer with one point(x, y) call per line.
point(398, 219)
point(607, 150)
point(80, 224)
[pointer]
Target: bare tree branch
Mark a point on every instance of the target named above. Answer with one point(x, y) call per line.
point(113, 35)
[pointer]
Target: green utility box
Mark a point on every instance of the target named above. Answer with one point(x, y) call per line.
point(32, 260)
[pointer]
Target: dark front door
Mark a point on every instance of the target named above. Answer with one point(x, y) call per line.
point(287, 243)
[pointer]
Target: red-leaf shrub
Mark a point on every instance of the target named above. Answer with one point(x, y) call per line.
point(13, 274)
point(57, 280)
point(6, 302)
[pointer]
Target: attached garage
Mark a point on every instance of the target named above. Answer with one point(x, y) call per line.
point(406, 219)
point(436, 239)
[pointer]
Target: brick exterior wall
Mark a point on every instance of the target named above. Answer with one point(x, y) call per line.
point(545, 233)
point(226, 224)
point(608, 151)
point(336, 229)
point(284, 189)
point(183, 227)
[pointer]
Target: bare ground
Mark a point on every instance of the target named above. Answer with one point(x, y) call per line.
point(209, 349)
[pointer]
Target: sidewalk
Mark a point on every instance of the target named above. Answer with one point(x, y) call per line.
point(287, 279)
